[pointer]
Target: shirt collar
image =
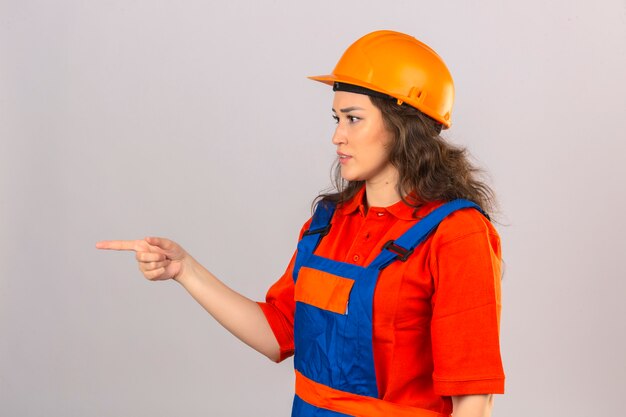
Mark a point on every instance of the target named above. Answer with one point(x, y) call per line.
point(354, 204)
point(401, 210)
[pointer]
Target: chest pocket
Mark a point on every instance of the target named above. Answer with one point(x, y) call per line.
point(323, 290)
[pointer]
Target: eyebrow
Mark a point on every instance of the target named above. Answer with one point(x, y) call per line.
point(349, 109)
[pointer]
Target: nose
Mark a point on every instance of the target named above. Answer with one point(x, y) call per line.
point(339, 137)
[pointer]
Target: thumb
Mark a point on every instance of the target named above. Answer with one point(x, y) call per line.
point(161, 243)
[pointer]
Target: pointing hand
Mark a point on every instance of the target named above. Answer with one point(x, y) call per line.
point(158, 258)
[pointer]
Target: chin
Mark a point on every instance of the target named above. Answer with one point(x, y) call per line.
point(351, 177)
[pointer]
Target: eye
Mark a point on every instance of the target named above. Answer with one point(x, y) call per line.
point(335, 118)
point(353, 119)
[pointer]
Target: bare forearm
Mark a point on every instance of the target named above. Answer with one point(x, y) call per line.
point(472, 405)
point(238, 314)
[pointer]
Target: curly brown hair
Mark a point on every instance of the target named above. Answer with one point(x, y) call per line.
point(429, 168)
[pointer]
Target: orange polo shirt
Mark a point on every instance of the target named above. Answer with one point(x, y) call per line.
point(436, 316)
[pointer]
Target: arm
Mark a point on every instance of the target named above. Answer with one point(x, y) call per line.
point(161, 259)
point(472, 405)
point(466, 314)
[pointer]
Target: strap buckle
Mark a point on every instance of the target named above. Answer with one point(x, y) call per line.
point(322, 231)
point(403, 254)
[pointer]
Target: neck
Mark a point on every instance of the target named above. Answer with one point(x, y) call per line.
point(382, 192)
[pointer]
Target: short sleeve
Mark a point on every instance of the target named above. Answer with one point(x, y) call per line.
point(466, 267)
point(279, 307)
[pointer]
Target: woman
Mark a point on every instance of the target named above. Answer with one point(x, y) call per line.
point(391, 302)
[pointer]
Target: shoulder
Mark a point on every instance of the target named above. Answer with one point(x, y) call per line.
point(465, 224)
point(305, 227)
point(466, 245)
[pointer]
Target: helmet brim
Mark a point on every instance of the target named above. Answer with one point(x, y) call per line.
point(331, 79)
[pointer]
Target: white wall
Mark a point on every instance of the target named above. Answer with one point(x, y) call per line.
point(194, 120)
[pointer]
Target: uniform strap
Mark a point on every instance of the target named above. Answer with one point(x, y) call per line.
point(403, 247)
point(319, 227)
point(320, 223)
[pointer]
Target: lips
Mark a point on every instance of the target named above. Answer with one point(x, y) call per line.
point(343, 158)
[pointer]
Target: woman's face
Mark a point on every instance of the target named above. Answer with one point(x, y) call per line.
point(362, 139)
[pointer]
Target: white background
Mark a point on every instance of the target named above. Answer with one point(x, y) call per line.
point(194, 120)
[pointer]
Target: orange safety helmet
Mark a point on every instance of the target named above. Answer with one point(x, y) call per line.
point(400, 66)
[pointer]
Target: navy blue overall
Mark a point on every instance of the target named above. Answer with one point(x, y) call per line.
point(335, 349)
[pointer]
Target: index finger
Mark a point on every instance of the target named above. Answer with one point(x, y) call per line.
point(119, 245)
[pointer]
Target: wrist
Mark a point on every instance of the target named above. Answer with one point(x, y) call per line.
point(187, 272)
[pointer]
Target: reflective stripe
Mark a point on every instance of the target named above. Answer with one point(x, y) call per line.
point(323, 290)
point(328, 398)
